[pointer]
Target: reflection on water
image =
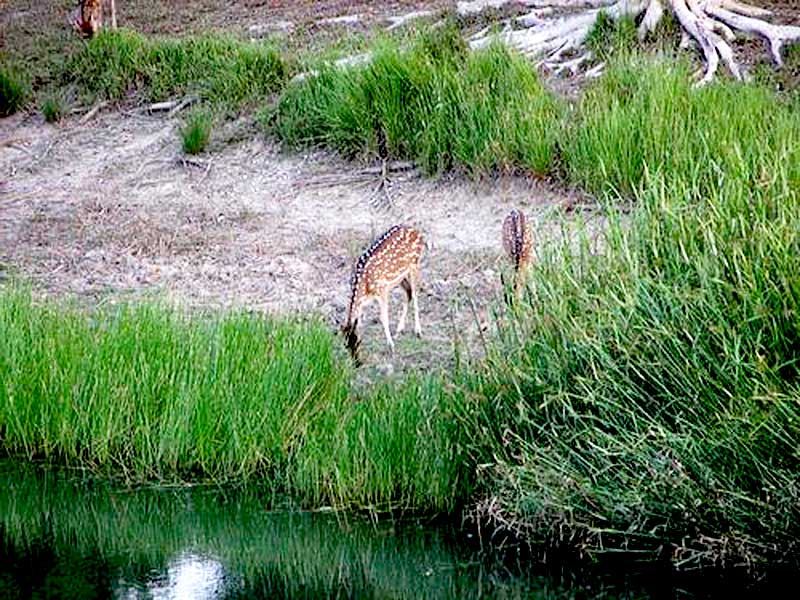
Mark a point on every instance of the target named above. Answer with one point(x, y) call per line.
point(188, 576)
point(71, 537)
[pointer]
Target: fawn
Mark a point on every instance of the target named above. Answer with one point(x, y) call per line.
point(392, 259)
point(517, 244)
point(88, 18)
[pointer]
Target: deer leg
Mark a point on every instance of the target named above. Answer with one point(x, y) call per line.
point(413, 285)
point(113, 15)
point(384, 304)
point(401, 324)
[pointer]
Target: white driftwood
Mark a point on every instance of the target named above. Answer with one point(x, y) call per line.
point(776, 35)
point(711, 24)
point(554, 32)
point(343, 20)
point(400, 20)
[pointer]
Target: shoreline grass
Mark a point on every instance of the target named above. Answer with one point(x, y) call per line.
point(649, 397)
point(148, 393)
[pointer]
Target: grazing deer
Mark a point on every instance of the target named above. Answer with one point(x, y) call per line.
point(517, 244)
point(88, 18)
point(392, 259)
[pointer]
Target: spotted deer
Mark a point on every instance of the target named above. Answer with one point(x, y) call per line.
point(88, 18)
point(517, 244)
point(392, 259)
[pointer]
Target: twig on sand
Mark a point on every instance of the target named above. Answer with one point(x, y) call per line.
point(13, 141)
point(187, 161)
point(92, 112)
point(188, 101)
point(173, 106)
point(207, 171)
point(19, 149)
point(395, 166)
point(44, 154)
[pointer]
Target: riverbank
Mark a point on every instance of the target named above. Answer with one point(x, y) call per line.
point(642, 398)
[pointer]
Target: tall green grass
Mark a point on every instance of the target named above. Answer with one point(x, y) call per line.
point(643, 123)
point(13, 91)
point(647, 399)
point(218, 69)
point(393, 447)
point(148, 393)
point(435, 103)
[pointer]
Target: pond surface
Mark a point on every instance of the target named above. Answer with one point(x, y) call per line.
point(67, 536)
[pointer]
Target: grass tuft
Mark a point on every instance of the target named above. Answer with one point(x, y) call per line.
point(609, 37)
point(435, 104)
point(220, 70)
point(13, 91)
point(196, 132)
point(52, 108)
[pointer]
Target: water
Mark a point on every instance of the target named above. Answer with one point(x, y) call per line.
point(67, 536)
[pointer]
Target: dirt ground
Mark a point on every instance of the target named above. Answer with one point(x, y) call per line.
point(112, 209)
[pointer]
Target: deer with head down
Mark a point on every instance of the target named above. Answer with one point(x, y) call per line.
point(392, 259)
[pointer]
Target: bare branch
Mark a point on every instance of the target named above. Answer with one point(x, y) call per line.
point(744, 9)
point(691, 24)
point(776, 35)
point(554, 37)
point(400, 20)
point(92, 112)
point(652, 16)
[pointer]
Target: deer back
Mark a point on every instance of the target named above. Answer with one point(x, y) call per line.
point(516, 238)
point(392, 256)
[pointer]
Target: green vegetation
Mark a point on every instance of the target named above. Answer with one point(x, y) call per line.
point(609, 38)
point(642, 400)
point(392, 448)
point(196, 132)
point(651, 393)
point(13, 91)
point(217, 69)
point(643, 125)
point(435, 103)
point(146, 393)
point(52, 108)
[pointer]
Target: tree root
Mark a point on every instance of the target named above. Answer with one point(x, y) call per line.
point(711, 24)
